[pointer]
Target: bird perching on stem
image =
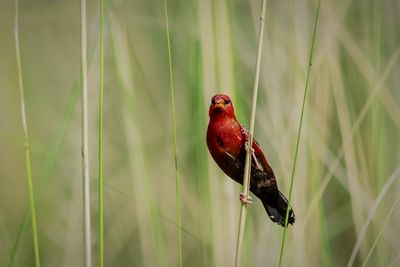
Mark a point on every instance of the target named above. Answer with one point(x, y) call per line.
point(227, 141)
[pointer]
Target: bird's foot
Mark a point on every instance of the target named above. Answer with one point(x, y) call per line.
point(245, 199)
point(246, 146)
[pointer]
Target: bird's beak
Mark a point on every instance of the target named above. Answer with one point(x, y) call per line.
point(220, 104)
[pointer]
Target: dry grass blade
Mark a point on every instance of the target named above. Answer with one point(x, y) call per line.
point(247, 169)
point(101, 181)
point(26, 141)
point(85, 141)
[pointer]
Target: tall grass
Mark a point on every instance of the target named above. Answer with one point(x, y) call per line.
point(299, 132)
point(178, 208)
point(51, 161)
point(85, 143)
point(28, 168)
point(101, 180)
point(247, 169)
point(47, 170)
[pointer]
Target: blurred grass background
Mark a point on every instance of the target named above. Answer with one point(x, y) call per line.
point(347, 178)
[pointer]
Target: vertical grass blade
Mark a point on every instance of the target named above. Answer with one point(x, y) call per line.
point(85, 146)
point(299, 131)
point(101, 223)
point(246, 177)
point(101, 180)
point(178, 210)
point(53, 157)
point(26, 141)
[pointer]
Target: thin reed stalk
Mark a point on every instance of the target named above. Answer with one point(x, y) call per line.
point(85, 145)
point(52, 159)
point(299, 132)
point(247, 169)
point(46, 172)
point(178, 209)
point(101, 180)
point(26, 141)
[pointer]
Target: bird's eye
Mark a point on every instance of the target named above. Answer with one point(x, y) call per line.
point(227, 101)
point(213, 101)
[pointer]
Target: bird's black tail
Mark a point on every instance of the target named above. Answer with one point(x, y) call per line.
point(276, 208)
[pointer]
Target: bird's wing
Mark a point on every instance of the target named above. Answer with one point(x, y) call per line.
point(234, 161)
point(261, 172)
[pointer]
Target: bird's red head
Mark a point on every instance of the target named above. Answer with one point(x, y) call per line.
point(221, 105)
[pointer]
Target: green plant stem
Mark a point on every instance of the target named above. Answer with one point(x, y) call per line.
point(85, 141)
point(54, 155)
point(299, 132)
point(247, 169)
point(26, 141)
point(178, 209)
point(47, 170)
point(101, 180)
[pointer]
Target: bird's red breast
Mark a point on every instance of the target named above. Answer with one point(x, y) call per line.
point(224, 134)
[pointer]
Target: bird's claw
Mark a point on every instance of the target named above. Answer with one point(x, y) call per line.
point(246, 146)
point(245, 199)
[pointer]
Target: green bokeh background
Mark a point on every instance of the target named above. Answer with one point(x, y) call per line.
point(349, 157)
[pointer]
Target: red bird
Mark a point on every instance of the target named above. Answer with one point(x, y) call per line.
point(227, 141)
